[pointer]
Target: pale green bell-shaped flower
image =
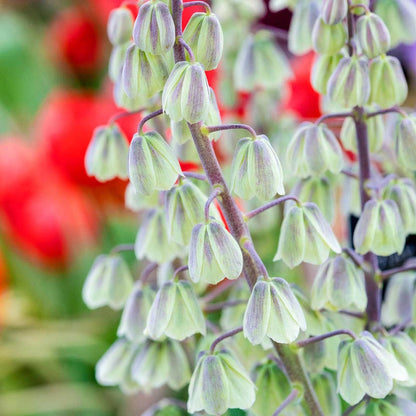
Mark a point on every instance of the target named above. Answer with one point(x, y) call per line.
point(120, 26)
point(349, 85)
point(220, 382)
point(326, 391)
point(123, 100)
point(387, 80)
point(380, 229)
point(314, 150)
point(334, 11)
point(365, 367)
point(406, 142)
point(323, 68)
point(161, 362)
point(203, 34)
point(152, 241)
point(214, 254)
point(138, 202)
point(154, 30)
point(116, 61)
point(136, 310)
point(328, 39)
point(383, 408)
point(305, 235)
point(256, 169)
point(152, 163)
point(184, 209)
point(339, 284)
point(107, 154)
point(372, 35)
point(109, 282)
point(273, 311)
point(180, 131)
point(175, 312)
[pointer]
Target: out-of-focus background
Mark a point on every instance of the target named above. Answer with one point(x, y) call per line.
point(54, 219)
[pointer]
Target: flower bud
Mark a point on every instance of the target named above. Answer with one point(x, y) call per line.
point(123, 100)
point(406, 142)
point(313, 150)
point(109, 282)
point(379, 229)
point(256, 169)
point(136, 310)
point(153, 29)
point(180, 132)
point(203, 34)
point(214, 254)
point(372, 35)
point(328, 39)
point(334, 11)
point(388, 83)
point(137, 202)
point(175, 313)
point(326, 392)
point(187, 94)
point(119, 26)
point(383, 408)
point(159, 363)
point(306, 236)
point(322, 69)
point(220, 382)
point(273, 311)
point(349, 85)
point(365, 367)
point(152, 239)
point(339, 284)
point(152, 163)
point(116, 62)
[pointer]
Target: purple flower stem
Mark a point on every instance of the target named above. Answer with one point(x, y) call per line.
point(223, 337)
point(213, 129)
point(319, 338)
point(147, 118)
point(271, 204)
point(286, 402)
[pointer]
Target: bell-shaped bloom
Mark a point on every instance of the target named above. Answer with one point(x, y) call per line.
point(406, 142)
point(305, 235)
point(109, 282)
point(383, 408)
point(175, 312)
point(334, 11)
point(138, 202)
point(387, 80)
point(154, 30)
point(123, 100)
point(152, 239)
point(372, 35)
point(161, 362)
point(152, 163)
point(220, 382)
point(349, 85)
point(256, 169)
point(107, 154)
point(365, 367)
point(328, 39)
point(143, 74)
point(273, 311)
point(257, 55)
point(135, 312)
point(326, 391)
point(314, 150)
point(187, 94)
point(322, 69)
point(184, 209)
point(203, 34)
point(339, 284)
point(214, 254)
point(120, 26)
point(380, 229)
point(116, 61)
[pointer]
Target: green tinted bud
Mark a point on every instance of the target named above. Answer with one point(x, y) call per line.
point(326, 392)
point(306, 236)
point(184, 209)
point(339, 284)
point(372, 35)
point(116, 62)
point(109, 282)
point(187, 94)
point(383, 408)
point(180, 131)
point(159, 363)
point(154, 30)
point(152, 239)
point(204, 35)
point(175, 313)
point(322, 69)
point(119, 26)
point(256, 169)
point(107, 154)
point(334, 11)
point(365, 367)
point(388, 83)
point(273, 311)
point(257, 55)
point(328, 39)
point(349, 85)
point(137, 202)
point(133, 320)
point(220, 382)
point(305, 14)
point(379, 229)
point(313, 150)
point(152, 163)
point(123, 100)
point(406, 142)
point(214, 254)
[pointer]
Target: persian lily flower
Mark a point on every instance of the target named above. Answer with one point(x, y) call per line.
point(120, 26)
point(372, 35)
point(406, 142)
